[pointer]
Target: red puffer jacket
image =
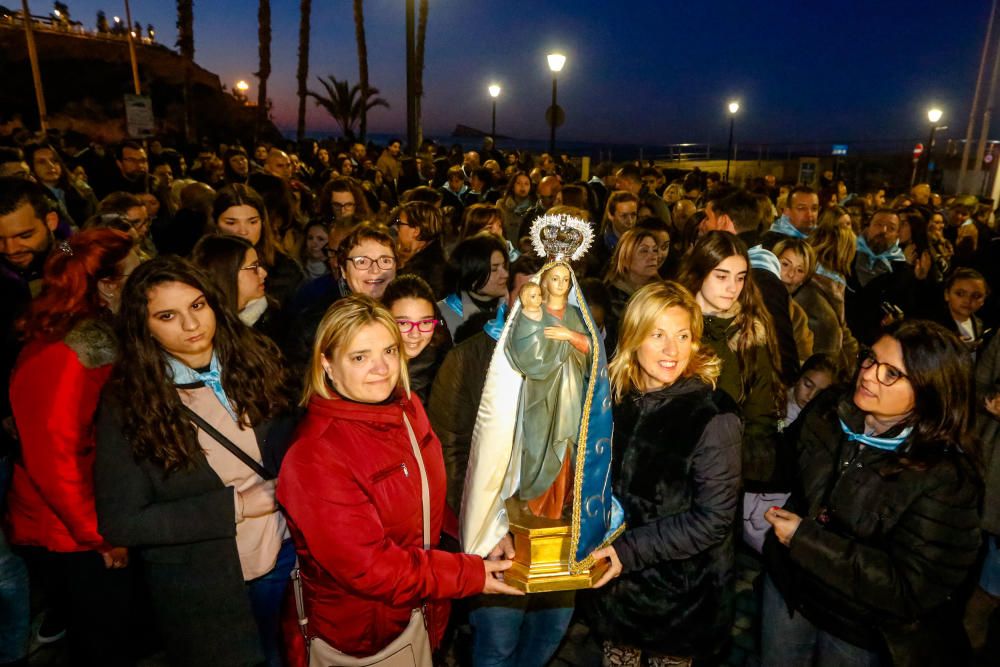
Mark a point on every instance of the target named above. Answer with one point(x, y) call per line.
point(350, 487)
point(54, 393)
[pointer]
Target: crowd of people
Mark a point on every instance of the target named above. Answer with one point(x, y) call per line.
point(239, 393)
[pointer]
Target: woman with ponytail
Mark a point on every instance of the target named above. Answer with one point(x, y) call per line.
point(69, 349)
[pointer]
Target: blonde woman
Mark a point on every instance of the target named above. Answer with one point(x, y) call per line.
point(352, 487)
point(667, 597)
point(835, 246)
point(798, 264)
point(634, 263)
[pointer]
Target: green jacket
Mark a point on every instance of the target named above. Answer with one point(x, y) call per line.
point(758, 406)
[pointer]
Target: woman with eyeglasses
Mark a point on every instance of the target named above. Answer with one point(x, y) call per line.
point(239, 211)
point(425, 338)
point(882, 526)
point(364, 262)
point(419, 226)
point(235, 268)
point(70, 346)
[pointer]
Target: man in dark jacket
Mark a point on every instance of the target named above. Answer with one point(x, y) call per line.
point(881, 286)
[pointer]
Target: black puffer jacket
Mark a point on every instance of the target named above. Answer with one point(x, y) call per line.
point(678, 480)
point(877, 568)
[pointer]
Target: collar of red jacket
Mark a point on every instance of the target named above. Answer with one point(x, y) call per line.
point(390, 412)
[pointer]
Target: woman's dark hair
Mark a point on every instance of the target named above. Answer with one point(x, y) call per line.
point(279, 202)
point(753, 325)
point(824, 363)
point(362, 212)
point(477, 217)
point(512, 181)
point(237, 194)
point(221, 258)
point(364, 232)
point(426, 218)
point(410, 286)
point(253, 373)
point(469, 267)
point(939, 369)
point(69, 288)
point(918, 228)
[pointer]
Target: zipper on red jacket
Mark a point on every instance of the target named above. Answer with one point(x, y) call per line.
point(388, 472)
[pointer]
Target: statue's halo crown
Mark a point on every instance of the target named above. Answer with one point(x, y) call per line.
point(561, 237)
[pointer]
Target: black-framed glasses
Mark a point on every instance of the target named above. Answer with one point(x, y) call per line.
point(886, 374)
point(423, 326)
point(337, 206)
point(362, 263)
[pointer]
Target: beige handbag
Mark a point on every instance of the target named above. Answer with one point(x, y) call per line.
point(412, 648)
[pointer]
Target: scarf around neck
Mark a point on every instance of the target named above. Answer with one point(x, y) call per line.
point(886, 258)
point(183, 374)
point(885, 444)
point(785, 227)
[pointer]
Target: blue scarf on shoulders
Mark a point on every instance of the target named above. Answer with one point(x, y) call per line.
point(762, 258)
point(495, 326)
point(832, 275)
point(893, 254)
point(785, 227)
point(183, 374)
point(885, 444)
point(454, 301)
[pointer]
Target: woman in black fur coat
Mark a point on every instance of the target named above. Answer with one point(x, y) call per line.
point(677, 455)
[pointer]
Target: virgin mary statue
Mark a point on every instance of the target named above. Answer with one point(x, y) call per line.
point(542, 441)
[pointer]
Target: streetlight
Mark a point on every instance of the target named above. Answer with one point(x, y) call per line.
point(734, 106)
point(242, 86)
point(933, 115)
point(556, 62)
point(494, 93)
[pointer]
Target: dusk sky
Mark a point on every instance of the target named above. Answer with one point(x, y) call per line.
point(637, 72)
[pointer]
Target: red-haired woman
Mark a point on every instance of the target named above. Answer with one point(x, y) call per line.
point(69, 347)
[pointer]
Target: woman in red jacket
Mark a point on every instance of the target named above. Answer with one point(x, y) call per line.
point(54, 393)
point(351, 489)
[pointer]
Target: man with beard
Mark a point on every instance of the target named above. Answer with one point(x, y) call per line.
point(881, 286)
point(131, 172)
point(28, 220)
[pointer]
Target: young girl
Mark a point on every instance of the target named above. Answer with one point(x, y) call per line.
point(313, 253)
point(739, 330)
point(197, 504)
point(425, 338)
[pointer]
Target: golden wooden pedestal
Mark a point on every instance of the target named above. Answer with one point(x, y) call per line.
point(542, 555)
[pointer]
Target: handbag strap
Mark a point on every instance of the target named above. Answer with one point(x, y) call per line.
point(228, 444)
point(425, 505)
point(425, 492)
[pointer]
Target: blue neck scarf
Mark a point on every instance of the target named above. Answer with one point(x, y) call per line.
point(827, 273)
point(893, 254)
point(183, 374)
point(785, 227)
point(761, 258)
point(495, 326)
point(885, 444)
point(454, 301)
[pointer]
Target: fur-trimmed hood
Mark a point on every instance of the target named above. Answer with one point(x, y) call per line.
point(723, 325)
point(94, 342)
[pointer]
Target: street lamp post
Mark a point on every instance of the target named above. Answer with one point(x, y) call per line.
point(494, 93)
point(933, 115)
point(241, 91)
point(556, 62)
point(734, 106)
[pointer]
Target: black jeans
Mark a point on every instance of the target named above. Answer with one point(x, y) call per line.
point(97, 604)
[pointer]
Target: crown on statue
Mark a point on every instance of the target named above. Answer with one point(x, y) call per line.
point(561, 237)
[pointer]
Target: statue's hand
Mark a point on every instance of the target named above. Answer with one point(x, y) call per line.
point(558, 333)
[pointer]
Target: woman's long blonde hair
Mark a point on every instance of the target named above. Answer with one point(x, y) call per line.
point(338, 328)
point(645, 306)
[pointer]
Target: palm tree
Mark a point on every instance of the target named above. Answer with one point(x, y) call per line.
point(359, 35)
point(344, 102)
point(418, 73)
point(305, 10)
point(264, 50)
point(185, 44)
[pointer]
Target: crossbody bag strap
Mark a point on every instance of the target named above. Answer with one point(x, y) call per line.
point(228, 444)
point(425, 492)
